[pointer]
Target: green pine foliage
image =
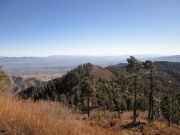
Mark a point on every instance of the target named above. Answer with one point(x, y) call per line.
point(135, 86)
point(5, 82)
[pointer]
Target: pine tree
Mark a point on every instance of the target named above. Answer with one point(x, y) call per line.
point(151, 73)
point(170, 104)
point(134, 68)
point(120, 86)
point(86, 88)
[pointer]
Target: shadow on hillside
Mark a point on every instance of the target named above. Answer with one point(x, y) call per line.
point(133, 124)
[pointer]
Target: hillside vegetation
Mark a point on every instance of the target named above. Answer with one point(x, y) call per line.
point(4, 81)
point(18, 117)
point(138, 98)
point(144, 86)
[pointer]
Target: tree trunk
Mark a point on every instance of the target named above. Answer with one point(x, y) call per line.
point(151, 99)
point(104, 110)
point(170, 111)
point(88, 108)
point(119, 116)
point(152, 110)
point(98, 114)
point(135, 99)
point(149, 112)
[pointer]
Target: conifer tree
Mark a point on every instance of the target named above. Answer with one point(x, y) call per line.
point(86, 87)
point(151, 73)
point(134, 67)
point(120, 86)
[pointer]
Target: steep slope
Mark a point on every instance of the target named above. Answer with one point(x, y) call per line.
point(70, 82)
point(99, 72)
point(72, 79)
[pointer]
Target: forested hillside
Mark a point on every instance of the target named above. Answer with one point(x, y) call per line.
point(134, 86)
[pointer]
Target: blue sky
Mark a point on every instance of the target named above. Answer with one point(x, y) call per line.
point(89, 27)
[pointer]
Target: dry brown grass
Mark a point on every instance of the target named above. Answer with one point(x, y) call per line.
point(19, 117)
point(43, 118)
point(163, 128)
point(110, 121)
point(124, 116)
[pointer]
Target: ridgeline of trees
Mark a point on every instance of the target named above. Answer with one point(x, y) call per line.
point(138, 86)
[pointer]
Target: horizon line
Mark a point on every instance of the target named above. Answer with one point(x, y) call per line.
point(88, 55)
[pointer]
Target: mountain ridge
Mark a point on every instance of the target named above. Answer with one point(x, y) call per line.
point(173, 58)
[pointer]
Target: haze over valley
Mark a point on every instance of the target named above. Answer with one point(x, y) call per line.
point(58, 65)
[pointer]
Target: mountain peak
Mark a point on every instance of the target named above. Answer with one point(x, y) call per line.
point(97, 71)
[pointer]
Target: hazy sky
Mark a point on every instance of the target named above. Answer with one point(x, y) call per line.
point(89, 27)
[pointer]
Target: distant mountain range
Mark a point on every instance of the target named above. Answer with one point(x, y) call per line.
point(60, 64)
point(174, 58)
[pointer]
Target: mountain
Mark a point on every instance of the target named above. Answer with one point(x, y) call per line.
point(88, 87)
point(99, 72)
point(170, 70)
point(165, 65)
point(71, 81)
point(174, 58)
point(160, 65)
point(120, 65)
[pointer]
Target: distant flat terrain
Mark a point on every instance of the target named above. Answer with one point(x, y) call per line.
point(58, 65)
